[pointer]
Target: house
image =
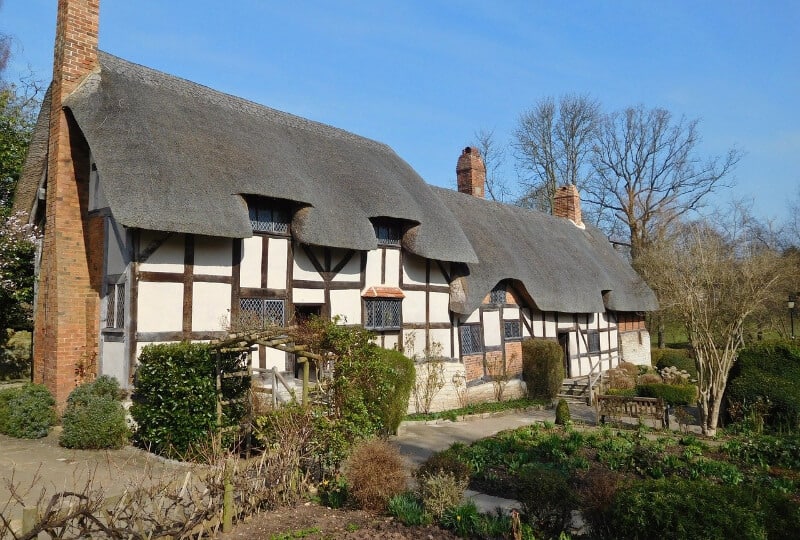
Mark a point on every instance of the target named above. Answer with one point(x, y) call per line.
point(173, 212)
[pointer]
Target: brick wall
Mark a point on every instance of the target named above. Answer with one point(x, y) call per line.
point(471, 172)
point(67, 308)
point(567, 203)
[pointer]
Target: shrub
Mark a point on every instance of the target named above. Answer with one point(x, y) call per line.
point(27, 412)
point(333, 493)
point(542, 367)
point(670, 393)
point(631, 369)
point(562, 413)
point(408, 510)
point(546, 498)
point(620, 379)
point(174, 398)
point(15, 356)
point(649, 378)
point(445, 461)
point(401, 377)
point(94, 418)
point(689, 509)
point(462, 520)
point(441, 491)
point(375, 472)
point(680, 358)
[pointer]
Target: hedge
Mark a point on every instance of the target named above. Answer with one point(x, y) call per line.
point(94, 417)
point(402, 376)
point(672, 394)
point(542, 367)
point(27, 411)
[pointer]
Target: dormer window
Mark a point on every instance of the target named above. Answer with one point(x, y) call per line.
point(387, 234)
point(268, 218)
point(498, 295)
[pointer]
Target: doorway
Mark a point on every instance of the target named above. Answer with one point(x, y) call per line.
point(563, 341)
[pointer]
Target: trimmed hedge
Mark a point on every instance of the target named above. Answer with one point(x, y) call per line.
point(402, 375)
point(680, 358)
point(27, 411)
point(542, 367)
point(672, 394)
point(174, 398)
point(767, 373)
point(94, 417)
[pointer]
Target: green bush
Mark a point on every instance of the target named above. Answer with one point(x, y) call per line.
point(562, 413)
point(671, 394)
point(408, 510)
point(402, 375)
point(546, 498)
point(765, 380)
point(542, 367)
point(445, 461)
point(689, 509)
point(94, 417)
point(15, 356)
point(174, 398)
point(463, 520)
point(27, 412)
point(680, 358)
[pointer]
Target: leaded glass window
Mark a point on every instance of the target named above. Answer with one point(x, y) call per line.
point(498, 295)
point(593, 339)
point(383, 313)
point(512, 329)
point(470, 339)
point(269, 219)
point(261, 312)
point(115, 305)
point(387, 235)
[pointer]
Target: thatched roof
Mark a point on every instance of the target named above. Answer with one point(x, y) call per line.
point(35, 160)
point(177, 156)
point(561, 267)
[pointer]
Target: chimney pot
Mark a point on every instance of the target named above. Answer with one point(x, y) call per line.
point(471, 172)
point(567, 204)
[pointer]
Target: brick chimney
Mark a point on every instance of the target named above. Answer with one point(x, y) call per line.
point(567, 204)
point(471, 172)
point(66, 323)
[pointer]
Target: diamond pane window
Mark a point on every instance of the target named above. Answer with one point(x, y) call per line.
point(593, 339)
point(387, 235)
point(261, 312)
point(115, 305)
point(267, 219)
point(470, 339)
point(512, 329)
point(382, 313)
point(498, 295)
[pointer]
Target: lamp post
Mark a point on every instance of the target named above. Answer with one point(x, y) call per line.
point(791, 303)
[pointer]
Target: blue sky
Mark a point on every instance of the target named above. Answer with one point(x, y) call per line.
point(423, 76)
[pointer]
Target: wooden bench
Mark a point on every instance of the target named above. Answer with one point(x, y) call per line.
point(633, 407)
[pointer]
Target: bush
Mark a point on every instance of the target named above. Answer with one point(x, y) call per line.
point(462, 520)
point(562, 413)
point(27, 412)
point(441, 491)
point(15, 356)
point(689, 509)
point(680, 358)
point(445, 461)
point(670, 393)
point(402, 375)
point(375, 472)
point(408, 510)
point(542, 367)
point(546, 498)
point(94, 418)
point(174, 398)
point(765, 381)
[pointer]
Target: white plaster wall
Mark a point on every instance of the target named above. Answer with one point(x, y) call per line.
point(250, 267)
point(351, 271)
point(474, 317)
point(278, 251)
point(392, 267)
point(211, 303)
point(440, 307)
point(440, 339)
point(113, 361)
point(414, 269)
point(347, 303)
point(213, 256)
point(308, 296)
point(302, 267)
point(511, 314)
point(414, 307)
point(373, 270)
point(437, 278)
point(414, 343)
point(160, 307)
point(633, 351)
point(491, 328)
point(391, 341)
point(167, 258)
point(549, 329)
point(275, 358)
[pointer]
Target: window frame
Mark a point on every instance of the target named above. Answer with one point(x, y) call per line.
point(515, 337)
point(262, 313)
point(476, 338)
point(593, 345)
point(269, 218)
point(387, 234)
point(385, 305)
point(494, 294)
point(115, 306)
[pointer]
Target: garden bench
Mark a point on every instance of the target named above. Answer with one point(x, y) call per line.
point(634, 407)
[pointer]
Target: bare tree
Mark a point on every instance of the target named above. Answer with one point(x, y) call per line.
point(647, 172)
point(493, 156)
point(712, 282)
point(552, 144)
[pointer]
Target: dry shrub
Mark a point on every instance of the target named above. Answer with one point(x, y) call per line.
point(375, 472)
point(631, 369)
point(596, 492)
point(441, 491)
point(649, 378)
point(619, 379)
